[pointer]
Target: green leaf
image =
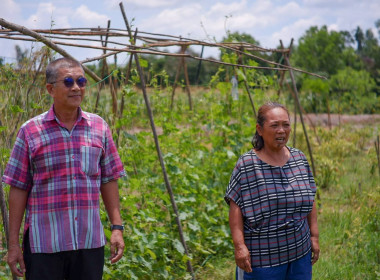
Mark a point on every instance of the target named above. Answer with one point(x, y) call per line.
point(143, 62)
point(16, 109)
point(151, 253)
point(178, 246)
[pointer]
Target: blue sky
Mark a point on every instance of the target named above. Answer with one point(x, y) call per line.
point(267, 21)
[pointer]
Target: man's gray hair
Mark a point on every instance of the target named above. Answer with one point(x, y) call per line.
point(52, 68)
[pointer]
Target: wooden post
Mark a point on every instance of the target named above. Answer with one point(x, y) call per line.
point(187, 79)
point(158, 149)
point(47, 42)
point(182, 64)
point(199, 67)
point(175, 81)
point(240, 61)
point(300, 111)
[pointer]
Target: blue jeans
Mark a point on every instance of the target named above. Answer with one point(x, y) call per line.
point(296, 270)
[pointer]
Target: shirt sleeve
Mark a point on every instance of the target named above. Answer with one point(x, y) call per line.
point(233, 191)
point(309, 173)
point(110, 162)
point(18, 172)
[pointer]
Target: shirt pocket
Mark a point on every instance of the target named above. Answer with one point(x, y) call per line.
point(90, 159)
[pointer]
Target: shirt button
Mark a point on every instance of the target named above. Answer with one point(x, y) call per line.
point(73, 157)
point(76, 218)
point(75, 177)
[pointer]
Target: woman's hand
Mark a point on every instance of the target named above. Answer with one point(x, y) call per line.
point(314, 233)
point(314, 249)
point(243, 258)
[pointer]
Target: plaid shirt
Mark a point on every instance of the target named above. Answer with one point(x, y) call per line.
point(62, 172)
point(275, 202)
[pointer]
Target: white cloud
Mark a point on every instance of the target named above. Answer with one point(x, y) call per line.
point(180, 21)
point(9, 10)
point(143, 4)
point(295, 30)
point(89, 18)
point(49, 16)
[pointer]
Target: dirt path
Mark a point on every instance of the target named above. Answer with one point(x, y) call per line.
point(357, 120)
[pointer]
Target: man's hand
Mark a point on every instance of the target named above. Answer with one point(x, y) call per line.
point(117, 245)
point(14, 259)
point(243, 258)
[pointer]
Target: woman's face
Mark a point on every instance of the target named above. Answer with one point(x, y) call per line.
point(276, 129)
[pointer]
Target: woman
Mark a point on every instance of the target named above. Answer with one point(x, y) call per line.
point(273, 217)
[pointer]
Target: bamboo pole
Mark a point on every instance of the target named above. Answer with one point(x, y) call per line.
point(235, 47)
point(47, 42)
point(187, 81)
point(178, 71)
point(300, 112)
point(158, 149)
point(199, 67)
point(247, 87)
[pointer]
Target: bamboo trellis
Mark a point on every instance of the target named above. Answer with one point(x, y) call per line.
point(113, 41)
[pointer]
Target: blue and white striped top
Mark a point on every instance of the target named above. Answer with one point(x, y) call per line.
point(275, 202)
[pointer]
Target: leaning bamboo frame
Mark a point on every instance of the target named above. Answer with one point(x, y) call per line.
point(54, 38)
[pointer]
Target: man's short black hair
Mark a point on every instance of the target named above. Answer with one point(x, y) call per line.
point(64, 62)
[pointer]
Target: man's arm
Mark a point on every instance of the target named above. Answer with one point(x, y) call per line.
point(110, 195)
point(17, 205)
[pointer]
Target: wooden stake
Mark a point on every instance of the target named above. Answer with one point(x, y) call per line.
point(46, 41)
point(158, 149)
point(187, 82)
point(176, 81)
point(240, 60)
point(300, 111)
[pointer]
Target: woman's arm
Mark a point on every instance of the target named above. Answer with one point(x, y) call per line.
point(314, 233)
point(242, 256)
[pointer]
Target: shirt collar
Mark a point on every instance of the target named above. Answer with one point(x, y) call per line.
point(50, 116)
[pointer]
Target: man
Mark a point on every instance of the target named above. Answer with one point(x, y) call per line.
point(61, 161)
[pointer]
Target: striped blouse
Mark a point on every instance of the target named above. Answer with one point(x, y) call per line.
point(63, 171)
point(275, 202)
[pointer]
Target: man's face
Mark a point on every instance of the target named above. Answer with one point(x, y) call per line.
point(67, 98)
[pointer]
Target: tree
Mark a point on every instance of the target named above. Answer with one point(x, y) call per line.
point(21, 56)
point(320, 50)
point(359, 37)
point(370, 55)
point(354, 92)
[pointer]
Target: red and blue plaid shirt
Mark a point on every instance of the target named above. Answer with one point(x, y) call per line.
point(63, 171)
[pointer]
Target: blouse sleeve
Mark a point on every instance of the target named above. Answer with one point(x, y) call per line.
point(233, 191)
point(309, 173)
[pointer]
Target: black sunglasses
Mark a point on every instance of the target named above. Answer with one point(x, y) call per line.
point(69, 82)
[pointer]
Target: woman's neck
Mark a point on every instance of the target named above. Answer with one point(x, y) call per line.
point(274, 157)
